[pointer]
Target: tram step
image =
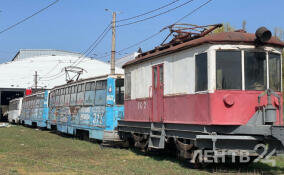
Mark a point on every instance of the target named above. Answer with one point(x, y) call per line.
point(157, 137)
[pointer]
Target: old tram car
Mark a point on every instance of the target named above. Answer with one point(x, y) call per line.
point(35, 109)
point(15, 107)
point(89, 107)
point(219, 91)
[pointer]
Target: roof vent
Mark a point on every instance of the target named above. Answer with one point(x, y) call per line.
point(263, 34)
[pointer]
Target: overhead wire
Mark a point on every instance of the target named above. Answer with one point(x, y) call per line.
point(53, 68)
point(25, 19)
point(99, 41)
point(130, 23)
point(93, 46)
point(193, 11)
point(148, 38)
point(105, 30)
point(84, 53)
point(146, 13)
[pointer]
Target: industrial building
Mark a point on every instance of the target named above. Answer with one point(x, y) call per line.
point(47, 67)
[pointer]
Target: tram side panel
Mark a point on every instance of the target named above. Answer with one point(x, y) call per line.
point(91, 106)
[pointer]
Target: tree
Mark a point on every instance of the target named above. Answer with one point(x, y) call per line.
point(244, 25)
point(225, 28)
point(279, 33)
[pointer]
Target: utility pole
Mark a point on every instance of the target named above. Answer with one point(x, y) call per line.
point(35, 80)
point(112, 61)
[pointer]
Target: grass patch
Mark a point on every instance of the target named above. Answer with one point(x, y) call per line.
point(29, 151)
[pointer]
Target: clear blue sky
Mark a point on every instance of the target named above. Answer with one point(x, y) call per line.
point(72, 25)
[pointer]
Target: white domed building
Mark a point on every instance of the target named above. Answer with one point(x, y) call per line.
point(49, 65)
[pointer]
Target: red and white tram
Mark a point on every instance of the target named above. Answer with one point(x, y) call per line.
point(206, 91)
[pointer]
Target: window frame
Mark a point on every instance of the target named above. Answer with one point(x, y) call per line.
point(243, 51)
point(241, 68)
point(127, 86)
point(121, 91)
point(207, 71)
point(268, 69)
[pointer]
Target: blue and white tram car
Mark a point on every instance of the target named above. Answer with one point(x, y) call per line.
point(91, 106)
point(35, 109)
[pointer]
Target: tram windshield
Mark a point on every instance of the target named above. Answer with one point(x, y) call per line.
point(255, 70)
point(275, 71)
point(229, 70)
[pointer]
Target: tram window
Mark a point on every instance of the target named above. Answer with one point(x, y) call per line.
point(255, 70)
point(127, 85)
point(101, 84)
point(201, 82)
point(74, 89)
point(88, 86)
point(50, 98)
point(100, 98)
point(275, 71)
point(119, 91)
point(155, 77)
point(161, 75)
point(228, 70)
point(93, 87)
point(83, 87)
point(79, 88)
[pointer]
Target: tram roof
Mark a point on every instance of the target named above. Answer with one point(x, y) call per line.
point(237, 37)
